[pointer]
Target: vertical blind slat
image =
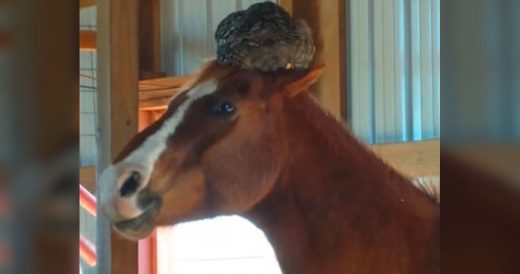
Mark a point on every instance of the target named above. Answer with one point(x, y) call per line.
point(379, 79)
point(400, 72)
point(362, 106)
point(426, 69)
point(436, 66)
point(415, 25)
point(388, 71)
point(355, 68)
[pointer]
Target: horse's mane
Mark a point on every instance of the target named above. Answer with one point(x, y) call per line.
point(430, 186)
point(338, 135)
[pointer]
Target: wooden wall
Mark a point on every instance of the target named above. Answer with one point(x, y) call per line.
point(327, 20)
point(413, 159)
point(394, 70)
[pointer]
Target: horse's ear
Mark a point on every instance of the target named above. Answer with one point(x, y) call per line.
point(302, 83)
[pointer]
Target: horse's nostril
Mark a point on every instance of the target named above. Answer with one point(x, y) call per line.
point(130, 185)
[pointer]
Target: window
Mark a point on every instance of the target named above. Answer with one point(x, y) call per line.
point(393, 69)
point(219, 245)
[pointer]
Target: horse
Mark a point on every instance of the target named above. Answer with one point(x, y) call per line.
point(256, 144)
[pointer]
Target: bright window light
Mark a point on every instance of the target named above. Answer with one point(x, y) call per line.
point(230, 245)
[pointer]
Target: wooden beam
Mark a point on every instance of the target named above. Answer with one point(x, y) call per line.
point(87, 178)
point(148, 116)
point(169, 82)
point(117, 108)
point(147, 75)
point(286, 5)
point(327, 20)
point(154, 104)
point(145, 95)
point(412, 159)
point(87, 40)
point(149, 36)
point(87, 3)
point(155, 94)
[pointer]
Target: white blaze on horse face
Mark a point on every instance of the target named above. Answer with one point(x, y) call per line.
point(143, 158)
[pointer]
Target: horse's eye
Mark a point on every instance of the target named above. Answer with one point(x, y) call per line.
point(224, 108)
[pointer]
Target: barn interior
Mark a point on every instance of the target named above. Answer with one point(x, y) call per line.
point(382, 78)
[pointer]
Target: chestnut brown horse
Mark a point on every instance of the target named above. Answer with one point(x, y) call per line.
point(257, 145)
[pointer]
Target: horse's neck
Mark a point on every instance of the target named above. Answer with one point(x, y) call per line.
point(333, 196)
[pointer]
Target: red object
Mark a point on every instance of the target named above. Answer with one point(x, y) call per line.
point(147, 255)
point(87, 200)
point(87, 251)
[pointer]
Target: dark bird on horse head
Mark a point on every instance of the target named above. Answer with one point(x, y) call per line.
point(264, 37)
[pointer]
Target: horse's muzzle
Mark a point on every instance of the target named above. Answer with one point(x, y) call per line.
point(141, 226)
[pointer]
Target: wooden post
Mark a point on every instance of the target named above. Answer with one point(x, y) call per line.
point(87, 40)
point(87, 3)
point(286, 5)
point(117, 47)
point(149, 39)
point(327, 20)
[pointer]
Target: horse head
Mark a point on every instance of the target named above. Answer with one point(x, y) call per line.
point(218, 149)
